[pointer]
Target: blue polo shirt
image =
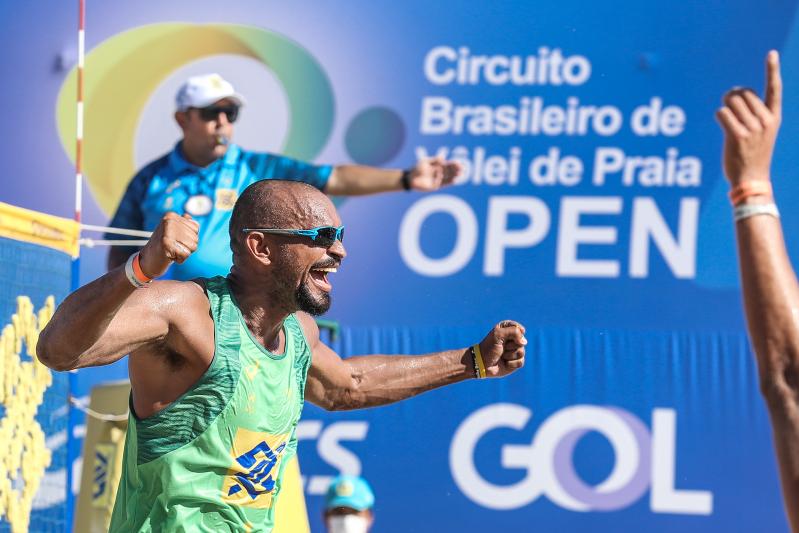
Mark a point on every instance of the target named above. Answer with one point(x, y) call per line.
point(208, 194)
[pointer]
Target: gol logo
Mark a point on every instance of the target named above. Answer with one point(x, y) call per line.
point(643, 460)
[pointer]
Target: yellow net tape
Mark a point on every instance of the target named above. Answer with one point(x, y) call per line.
point(23, 454)
point(38, 228)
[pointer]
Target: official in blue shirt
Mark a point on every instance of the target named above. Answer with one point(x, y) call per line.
point(204, 174)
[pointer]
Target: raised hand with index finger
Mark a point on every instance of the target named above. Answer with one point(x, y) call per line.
point(750, 127)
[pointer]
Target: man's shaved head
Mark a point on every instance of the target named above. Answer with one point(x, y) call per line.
point(277, 204)
point(290, 270)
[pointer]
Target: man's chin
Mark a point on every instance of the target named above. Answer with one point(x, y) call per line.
point(311, 304)
point(317, 308)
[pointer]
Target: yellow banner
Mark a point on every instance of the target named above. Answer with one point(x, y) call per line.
point(38, 228)
point(291, 515)
point(104, 453)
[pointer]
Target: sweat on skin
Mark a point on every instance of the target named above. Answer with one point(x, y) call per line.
point(186, 336)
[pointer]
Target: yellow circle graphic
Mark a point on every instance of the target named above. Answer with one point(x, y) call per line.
point(123, 71)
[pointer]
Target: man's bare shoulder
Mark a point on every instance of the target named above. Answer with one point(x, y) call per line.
point(183, 298)
point(309, 327)
point(185, 307)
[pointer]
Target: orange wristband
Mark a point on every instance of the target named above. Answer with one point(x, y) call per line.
point(138, 272)
point(746, 189)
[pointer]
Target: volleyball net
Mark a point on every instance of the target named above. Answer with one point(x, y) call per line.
point(36, 253)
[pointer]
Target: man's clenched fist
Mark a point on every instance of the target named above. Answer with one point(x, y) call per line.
point(503, 348)
point(174, 240)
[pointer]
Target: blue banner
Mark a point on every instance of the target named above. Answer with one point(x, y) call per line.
point(592, 209)
point(601, 431)
point(587, 136)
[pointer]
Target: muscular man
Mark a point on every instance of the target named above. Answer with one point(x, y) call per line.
point(770, 289)
point(204, 174)
point(220, 367)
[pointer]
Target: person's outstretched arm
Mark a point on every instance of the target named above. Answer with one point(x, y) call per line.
point(108, 318)
point(371, 380)
point(427, 175)
point(770, 289)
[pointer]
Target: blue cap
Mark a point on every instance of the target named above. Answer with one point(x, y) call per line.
point(349, 491)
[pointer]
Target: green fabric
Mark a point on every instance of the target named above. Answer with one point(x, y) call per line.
point(213, 460)
point(188, 417)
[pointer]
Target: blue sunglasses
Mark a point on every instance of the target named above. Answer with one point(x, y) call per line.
point(322, 236)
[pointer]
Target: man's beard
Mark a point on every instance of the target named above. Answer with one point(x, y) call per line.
point(307, 302)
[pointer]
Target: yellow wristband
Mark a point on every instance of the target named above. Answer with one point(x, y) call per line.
point(478, 356)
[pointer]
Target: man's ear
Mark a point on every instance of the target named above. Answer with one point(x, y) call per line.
point(258, 247)
point(182, 118)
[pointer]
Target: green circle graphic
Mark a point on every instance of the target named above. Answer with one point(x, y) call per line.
point(123, 71)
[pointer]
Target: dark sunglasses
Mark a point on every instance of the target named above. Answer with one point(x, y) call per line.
point(212, 112)
point(322, 236)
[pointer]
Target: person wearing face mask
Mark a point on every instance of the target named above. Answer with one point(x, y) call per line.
point(206, 172)
point(349, 505)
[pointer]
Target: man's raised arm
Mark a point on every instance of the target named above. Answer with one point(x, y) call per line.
point(770, 289)
point(373, 380)
point(108, 318)
point(427, 175)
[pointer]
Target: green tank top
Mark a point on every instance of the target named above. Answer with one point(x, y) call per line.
point(213, 460)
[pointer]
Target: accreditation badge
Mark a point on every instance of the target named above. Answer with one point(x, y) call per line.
point(198, 205)
point(226, 199)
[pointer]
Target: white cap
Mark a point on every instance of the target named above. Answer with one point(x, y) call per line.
point(204, 90)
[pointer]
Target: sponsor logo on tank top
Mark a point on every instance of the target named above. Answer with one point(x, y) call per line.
point(251, 480)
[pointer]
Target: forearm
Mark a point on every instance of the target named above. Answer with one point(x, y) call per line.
point(82, 319)
point(354, 180)
point(118, 255)
point(771, 294)
point(383, 379)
